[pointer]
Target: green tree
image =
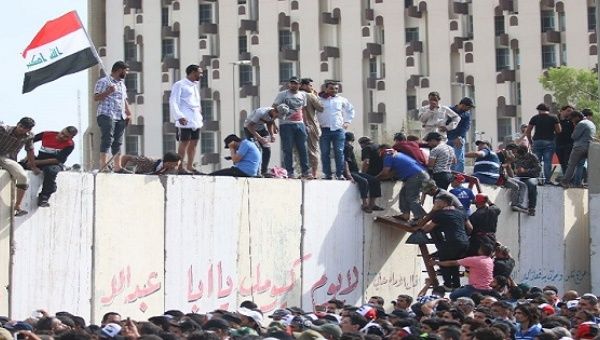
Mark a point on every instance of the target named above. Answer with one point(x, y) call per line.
point(577, 87)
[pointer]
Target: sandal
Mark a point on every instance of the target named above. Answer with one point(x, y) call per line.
point(366, 209)
point(20, 212)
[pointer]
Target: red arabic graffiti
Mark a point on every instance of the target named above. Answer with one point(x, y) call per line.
point(395, 280)
point(121, 281)
point(334, 288)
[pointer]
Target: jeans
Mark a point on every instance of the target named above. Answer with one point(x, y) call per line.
point(337, 138)
point(294, 135)
point(563, 151)
point(233, 171)
point(518, 191)
point(544, 149)
point(409, 198)
point(368, 185)
point(50, 173)
point(442, 179)
point(15, 171)
point(265, 150)
point(580, 172)
point(576, 159)
point(111, 133)
point(459, 153)
point(451, 251)
point(531, 184)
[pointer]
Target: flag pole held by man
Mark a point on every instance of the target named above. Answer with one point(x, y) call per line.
point(60, 48)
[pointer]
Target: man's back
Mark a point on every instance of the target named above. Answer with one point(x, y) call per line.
point(403, 165)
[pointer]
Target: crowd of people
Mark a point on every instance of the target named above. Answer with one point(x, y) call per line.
point(510, 312)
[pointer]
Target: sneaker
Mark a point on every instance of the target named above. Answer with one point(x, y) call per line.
point(531, 212)
point(327, 178)
point(307, 176)
point(519, 209)
point(20, 212)
point(368, 210)
point(123, 171)
point(43, 202)
point(341, 178)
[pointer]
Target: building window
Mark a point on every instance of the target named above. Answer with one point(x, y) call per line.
point(517, 59)
point(207, 110)
point(131, 82)
point(286, 40)
point(504, 128)
point(470, 26)
point(411, 34)
point(411, 102)
point(499, 24)
point(548, 57)
point(286, 71)
point(169, 143)
point(132, 145)
point(204, 82)
point(130, 51)
point(591, 17)
point(408, 3)
point(166, 113)
point(164, 16)
point(243, 43)
point(373, 67)
point(245, 75)
point(502, 59)
point(562, 24)
point(168, 48)
point(563, 54)
point(547, 21)
point(205, 15)
point(207, 142)
point(518, 93)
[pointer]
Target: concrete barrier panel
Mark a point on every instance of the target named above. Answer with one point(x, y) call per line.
point(129, 246)
point(576, 241)
point(392, 267)
point(203, 216)
point(334, 233)
point(271, 275)
point(53, 249)
point(594, 230)
point(5, 218)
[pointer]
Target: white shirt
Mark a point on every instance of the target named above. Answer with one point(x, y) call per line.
point(434, 119)
point(336, 111)
point(184, 102)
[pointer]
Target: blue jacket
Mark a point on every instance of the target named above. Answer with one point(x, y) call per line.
point(463, 126)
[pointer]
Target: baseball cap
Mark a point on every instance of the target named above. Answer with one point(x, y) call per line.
point(479, 141)
point(279, 313)
point(542, 107)
point(231, 138)
point(481, 198)
point(586, 330)
point(296, 310)
point(546, 308)
point(572, 304)
point(459, 178)
point(294, 80)
point(467, 101)
point(368, 312)
point(110, 330)
point(398, 313)
point(305, 81)
point(254, 315)
point(328, 329)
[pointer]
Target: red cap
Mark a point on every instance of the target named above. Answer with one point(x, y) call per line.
point(481, 198)
point(586, 330)
point(547, 308)
point(459, 178)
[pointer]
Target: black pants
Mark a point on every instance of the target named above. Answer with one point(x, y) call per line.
point(49, 185)
point(266, 151)
point(563, 152)
point(233, 171)
point(442, 179)
point(451, 251)
point(368, 185)
point(531, 184)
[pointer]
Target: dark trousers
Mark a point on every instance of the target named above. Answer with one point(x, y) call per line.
point(368, 185)
point(266, 151)
point(451, 251)
point(49, 185)
point(563, 152)
point(442, 179)
point(531, 184)
point(233, 171)
point(111, 133)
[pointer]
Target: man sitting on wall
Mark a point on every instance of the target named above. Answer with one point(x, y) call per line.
point(169, 164)
point(245, 157)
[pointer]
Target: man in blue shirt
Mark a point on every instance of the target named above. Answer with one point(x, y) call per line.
point(245, 157)
point(458, 136)
point(411, 173)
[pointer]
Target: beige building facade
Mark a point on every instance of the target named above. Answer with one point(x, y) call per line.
point(386, 54)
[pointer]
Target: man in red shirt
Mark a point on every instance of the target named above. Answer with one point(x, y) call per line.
point(53, 153)
point(409, 148)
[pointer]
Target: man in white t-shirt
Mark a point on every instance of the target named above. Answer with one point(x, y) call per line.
point(260, 126)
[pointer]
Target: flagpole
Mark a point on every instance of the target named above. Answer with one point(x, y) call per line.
point(106, 73)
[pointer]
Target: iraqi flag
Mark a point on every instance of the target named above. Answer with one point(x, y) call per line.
point(61, 47)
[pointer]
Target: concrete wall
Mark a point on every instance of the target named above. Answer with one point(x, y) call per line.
point(594, 215)
point(140, 245)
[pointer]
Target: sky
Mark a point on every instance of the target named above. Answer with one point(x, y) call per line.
point(53, 105)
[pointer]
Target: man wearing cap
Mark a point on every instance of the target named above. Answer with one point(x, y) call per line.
point(184, 104)
point(458, 137)
point(260, 126)
point(436, 117)
point(522, 137)
point(409, 148)
point(411, 173)
point(582, 135)
point(12, 140)
point(219, 326)
point(313, 130)
point(336, 116)
point(487, 165)
point(329, 331)
point(464, 195)
point(279, 314)
point(546, 127)
point(441, 158)
point(484, 221)
point(563, 142)
point(112, 112)
point(372, 163)
point(292, 127)
point(245, 157)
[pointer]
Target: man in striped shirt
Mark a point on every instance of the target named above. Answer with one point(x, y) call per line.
point(487, 163)
point(441, 158)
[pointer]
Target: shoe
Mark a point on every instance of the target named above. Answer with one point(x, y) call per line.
point(327, 178)
point(184, 172)
point(531, 212)
point(123, 171)
point(519, 209)
point(366, 209)
point(341, 178)
point(377, 208)
point(43, 202)
point(309, 176)
point(20, 212)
